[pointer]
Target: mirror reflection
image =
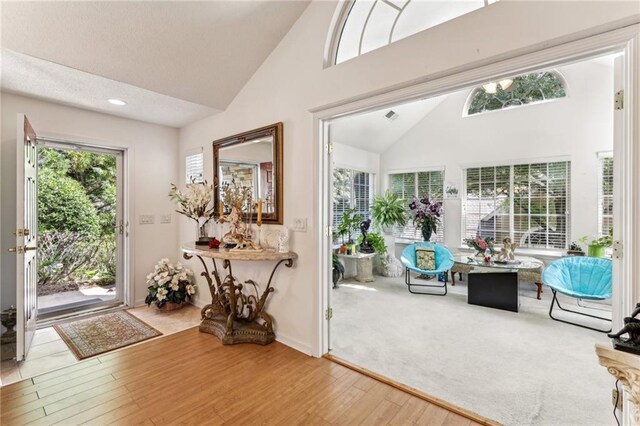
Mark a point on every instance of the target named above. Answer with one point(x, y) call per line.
point(252, 159)
point(250, 164)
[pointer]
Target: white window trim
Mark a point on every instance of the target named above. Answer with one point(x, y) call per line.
point(601, 155)
point(187, 154)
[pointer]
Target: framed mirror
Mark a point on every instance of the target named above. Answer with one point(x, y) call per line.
point(253, 159)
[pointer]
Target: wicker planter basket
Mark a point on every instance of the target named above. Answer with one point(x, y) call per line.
point(170, 306)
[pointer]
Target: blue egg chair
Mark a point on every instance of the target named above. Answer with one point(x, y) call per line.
point(443, 261)
point(580, 277)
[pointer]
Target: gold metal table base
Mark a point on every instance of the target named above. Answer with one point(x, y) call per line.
point(236, 312)
point(243, 332)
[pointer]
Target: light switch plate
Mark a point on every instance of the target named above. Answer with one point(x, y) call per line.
point(147, 219)
point(165, 218)
point(300, 224)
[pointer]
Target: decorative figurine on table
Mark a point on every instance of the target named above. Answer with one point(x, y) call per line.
point(365, 246)
point(238, 237)
point(506, 252)
point(632, 328)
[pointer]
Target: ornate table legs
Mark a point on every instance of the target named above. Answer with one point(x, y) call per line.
point(236, 312)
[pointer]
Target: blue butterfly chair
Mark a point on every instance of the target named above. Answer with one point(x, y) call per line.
point(580, 277)
point(444, 262)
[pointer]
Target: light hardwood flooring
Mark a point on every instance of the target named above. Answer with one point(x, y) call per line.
point(191, 378)
point(49, 352)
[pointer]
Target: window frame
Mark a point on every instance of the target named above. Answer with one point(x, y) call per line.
point(512, 164)
point(441, 227)
point(341, 16)
point(187, 155)
point(602, 156)
point(352, 200)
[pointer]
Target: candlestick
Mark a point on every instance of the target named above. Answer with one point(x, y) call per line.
point(259, 220)
point(221, 209)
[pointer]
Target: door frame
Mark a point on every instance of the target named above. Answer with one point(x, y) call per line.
point(124, 274)
point(626, 40)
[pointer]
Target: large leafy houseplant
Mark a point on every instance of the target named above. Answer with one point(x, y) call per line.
point(169, 283)
point(377, 241)
point(388, 210)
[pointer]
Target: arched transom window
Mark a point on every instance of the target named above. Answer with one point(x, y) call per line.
point(522, 90)
point(370, 24)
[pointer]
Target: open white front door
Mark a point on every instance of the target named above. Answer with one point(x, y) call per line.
point(26, 236)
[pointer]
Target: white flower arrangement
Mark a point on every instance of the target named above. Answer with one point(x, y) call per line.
point(196, 203)
point(169, 283)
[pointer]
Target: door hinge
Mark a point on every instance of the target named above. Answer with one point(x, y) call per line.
point(617, 249)
point(328, 314)
point(120, 228)
point(329, 148)
point(17, 250)
point(619, 100)
point(328, 231)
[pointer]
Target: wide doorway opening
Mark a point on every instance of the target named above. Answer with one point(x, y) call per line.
point(80, 229)
point(524, 164)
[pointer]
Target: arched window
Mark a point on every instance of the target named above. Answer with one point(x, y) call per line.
point(369, 24)
point(521, 90)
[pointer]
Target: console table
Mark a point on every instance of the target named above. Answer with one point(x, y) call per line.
point(626, 368)
point(236, 312)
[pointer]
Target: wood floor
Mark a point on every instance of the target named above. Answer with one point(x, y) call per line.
point(190, 378)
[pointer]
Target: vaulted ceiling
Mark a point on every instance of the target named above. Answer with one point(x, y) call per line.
point(201, 53)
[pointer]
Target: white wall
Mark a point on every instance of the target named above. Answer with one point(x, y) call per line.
point(292, 81)
point(576, 127)
point(348, 157)
point(152, 151)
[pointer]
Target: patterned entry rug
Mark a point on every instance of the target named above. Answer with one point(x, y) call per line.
point(96, 335)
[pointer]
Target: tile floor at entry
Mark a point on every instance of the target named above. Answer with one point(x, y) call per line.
point(49, 352)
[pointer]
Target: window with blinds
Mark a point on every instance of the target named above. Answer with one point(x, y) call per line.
point(352, 189)
point(194, 166)
point(528, 203)
point(605, 195)
point(419, 184)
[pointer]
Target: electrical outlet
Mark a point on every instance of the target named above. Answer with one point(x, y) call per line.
point(616, 398)
point(165, 218)
point(147, 219)
point(300, 224)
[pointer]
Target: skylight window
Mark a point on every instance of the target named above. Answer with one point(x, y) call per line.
point(371, 24)
point(522, 90)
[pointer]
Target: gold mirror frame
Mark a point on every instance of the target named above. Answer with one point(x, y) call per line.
point(274, 130)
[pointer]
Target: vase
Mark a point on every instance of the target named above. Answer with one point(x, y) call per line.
point(426, 232)
point(596, 251)
point(202, 231)
point(170, 306)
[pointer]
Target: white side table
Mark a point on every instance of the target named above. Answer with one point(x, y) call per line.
point(364, 265)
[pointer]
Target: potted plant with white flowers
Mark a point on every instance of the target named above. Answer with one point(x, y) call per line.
point(170, 286)
point(197, 204)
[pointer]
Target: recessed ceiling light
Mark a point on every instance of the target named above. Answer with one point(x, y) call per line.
point(117, 102)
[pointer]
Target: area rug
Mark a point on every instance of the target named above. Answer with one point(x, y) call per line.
point(103, 333)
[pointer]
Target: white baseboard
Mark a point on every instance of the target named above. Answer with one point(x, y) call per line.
point(292, 343)
point(139, 302)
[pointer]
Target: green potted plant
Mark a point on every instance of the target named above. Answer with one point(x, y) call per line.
point(338, 270)
point(380, 248)
point(596, 246)
point(349, 223)
point(387, 211)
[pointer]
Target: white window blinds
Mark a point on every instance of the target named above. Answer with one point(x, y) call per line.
point(605, 195)
point(528, 203)
point(194, 166)
point(352, 189)
point(418, 184)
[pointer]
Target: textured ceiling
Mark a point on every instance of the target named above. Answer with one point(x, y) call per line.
point(200, 52)
point(26, 75)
